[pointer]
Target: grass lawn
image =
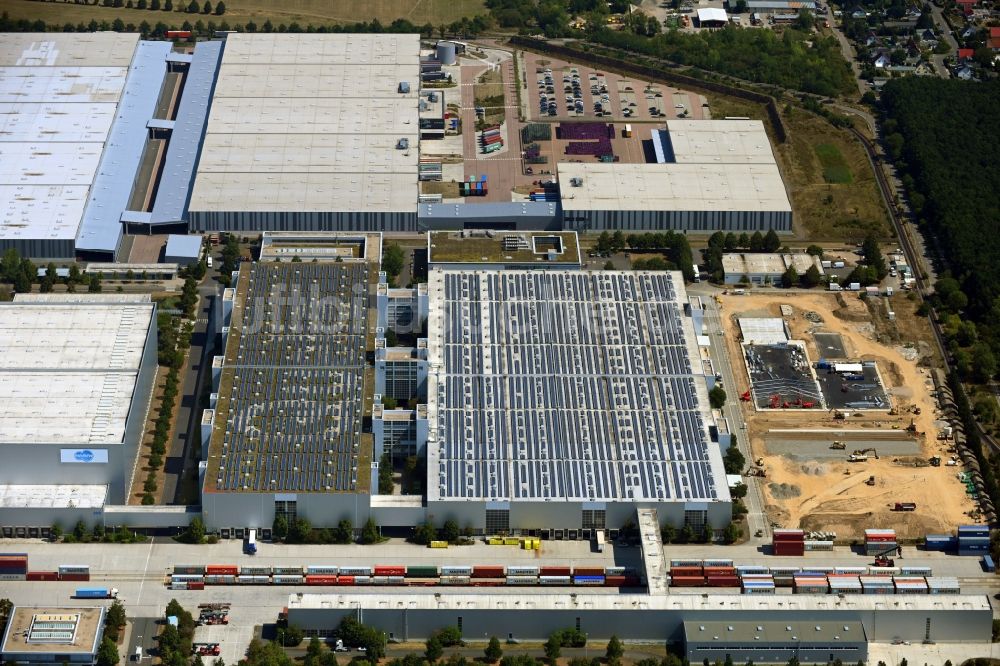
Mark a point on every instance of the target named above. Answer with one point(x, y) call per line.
point(305, 12)
point(835, 169)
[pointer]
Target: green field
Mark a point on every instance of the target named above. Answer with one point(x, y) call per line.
point(303, 12)
point(835, 169)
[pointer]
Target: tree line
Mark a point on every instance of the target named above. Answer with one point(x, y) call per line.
point(156, 5)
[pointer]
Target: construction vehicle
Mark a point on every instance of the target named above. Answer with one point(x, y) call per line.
point(745, 397)
point(756, 471)
point(870, 481)
point(934, 461)
point(216, 606)
point(206, 649)
point(839, 415)
point(838, 445)
point(883, 559)
point(759, 462)
point(861, 455)
point(904, 506)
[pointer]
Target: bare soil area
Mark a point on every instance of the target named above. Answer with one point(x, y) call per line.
point(833, 495)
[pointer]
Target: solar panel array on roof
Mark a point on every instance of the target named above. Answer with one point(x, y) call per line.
point(294, 377)
point(566, 385)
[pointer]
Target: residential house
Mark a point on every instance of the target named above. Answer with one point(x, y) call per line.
point(994, 39)
point(882, 61)
point(965, 54)
point(968, 31)
point(965, 73)
point(859, 13)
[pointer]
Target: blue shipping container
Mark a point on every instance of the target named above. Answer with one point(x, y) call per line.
point(988, 564)
point(92, 593)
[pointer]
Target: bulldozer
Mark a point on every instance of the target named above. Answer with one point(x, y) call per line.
point(934, 461)
point(838, 446)
point(756, 471)
point(861, 455)
point(870, 481)
point(839, 415)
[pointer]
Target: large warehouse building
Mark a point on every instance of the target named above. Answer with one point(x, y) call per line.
point(286, 436)
point(311, 132)
point(563, 400)
point(76, 376)
point(710, 175)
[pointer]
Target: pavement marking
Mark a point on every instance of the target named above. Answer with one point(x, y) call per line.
point(145, 570)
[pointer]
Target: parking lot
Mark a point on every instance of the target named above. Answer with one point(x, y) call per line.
point(559, 90)
point(862, 390)
point(782, 377)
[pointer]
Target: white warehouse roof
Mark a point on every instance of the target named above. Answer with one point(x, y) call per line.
point(768, 263)
point(311, 123)
point(708, 14)
point(672, 187)
point(68, 367)
point(719, 141)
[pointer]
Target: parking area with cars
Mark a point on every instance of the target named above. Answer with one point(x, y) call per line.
point(558, 90)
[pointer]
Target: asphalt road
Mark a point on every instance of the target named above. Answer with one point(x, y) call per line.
point(142, 633)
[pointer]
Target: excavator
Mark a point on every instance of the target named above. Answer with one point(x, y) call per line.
point(838, 446)
point(861, 455)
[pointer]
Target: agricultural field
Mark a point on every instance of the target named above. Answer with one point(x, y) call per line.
point(303, 12)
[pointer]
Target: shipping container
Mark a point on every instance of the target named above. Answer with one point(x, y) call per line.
point(722, 581)
point(455, 580)
point(397, 580)
point(95, 593)
point(74, 568)
point(553, 579)
point(588, 580)
point(988, 564)
point(786, 534)
point(390, 570)
point(322, 570)
point(522, 580)
point(884, 571)
point(189, 569)
point(751, 569)
point(453, 570)
point(421, 572)
point(185, 578)
point(220, 579)
point(851, 570)
point(487, 571)
point(178, 34)
point(42, 575)
point(686, 563)
point(222, 570)
point(688, 581)
point(196, 585)
point(555, 571)
point(315, 579)
point(255, 571)
point(916, 571)
point(614, 581)
point(13, 576)
point(363, 580)
point(253, 580)
point(344, 580)
point(717, 563)
point(974, 530)
point(588, 571)
point(287, 571)
point(287, 579)
point(355, 571)
point(522, 571)
point(75, 577)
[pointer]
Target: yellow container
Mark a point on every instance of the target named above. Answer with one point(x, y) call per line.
point(439, 544)
point(495, 541)
point(511, 541)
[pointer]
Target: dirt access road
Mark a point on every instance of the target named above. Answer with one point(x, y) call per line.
point(832, 495)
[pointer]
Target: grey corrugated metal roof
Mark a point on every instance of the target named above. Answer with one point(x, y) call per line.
point(177, 178)
point(160, 123)
point(488, 210)
point(135, 217)
point(101, 229)
point(183, 246)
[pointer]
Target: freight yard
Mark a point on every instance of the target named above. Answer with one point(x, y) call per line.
point(841, 469)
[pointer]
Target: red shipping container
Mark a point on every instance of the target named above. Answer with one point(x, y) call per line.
point(720, 571)
point(487, 572)
point(384, 570)
point(790, 552)
point(222, 570)
point(77, 577)
point(685, 571)
point(614, 581)
point(321, 580)
point(421, 582)
point(487, 582)
point(196, 585)
point(723, 581)
point(632, 581)
point(688, 581)
point(345, 580)
point(554, 571)
point(588, 571)
point(42, 575)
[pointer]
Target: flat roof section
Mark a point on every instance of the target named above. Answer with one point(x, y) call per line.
point(754, 263)
point(566, 385)
point(719, 141)
point(47, 121)
point(771, 632)
point(38, 630)
point(502, 247)
point(288, 109)
point(184, 147)
point(68, 371)
point(316, 49)
point(183, 246)
point(291, 396)
point(54, 496)
point(77, 49)
point(92, 85)
point(672, 187)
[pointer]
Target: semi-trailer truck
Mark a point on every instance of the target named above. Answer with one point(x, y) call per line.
point(96, 593)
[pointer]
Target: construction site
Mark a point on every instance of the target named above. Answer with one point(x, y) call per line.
point(833, 460)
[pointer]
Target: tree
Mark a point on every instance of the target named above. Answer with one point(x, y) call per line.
point(617, 241)
point(195, 531)
point(300, 531)
point(603, 243)
point(107, 654)
point(730, 242)
point(392, 259)
point(873, 255)
point(370, 532)
point(738, 491)
point(115, 618)
point(811, 277)
point(207, 8)
point(744, 239)
point(733, 460)
point(168, 5)
point(771, 241)
point(313, 652)
point(344, 532)
point(790, 277)
point(424, 533)
point(450, 531)
point(220, 8)
point(355, 634)
point(94, 284)
point(433, 650)
point(615, 651)
point(385, 475)
point(493, 651)
point(292, 636)
point(717, 397)
point(609, 265)
point(668, 534)
point(756, 242)
point(805, 20)
point(815, 250)
point(984, 363)
point(55, 531)
point(279, 528)
point(79, 530)
point(731, 533)
point(553, 648)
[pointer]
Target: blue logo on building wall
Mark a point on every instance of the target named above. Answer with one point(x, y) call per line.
point(84, 455)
